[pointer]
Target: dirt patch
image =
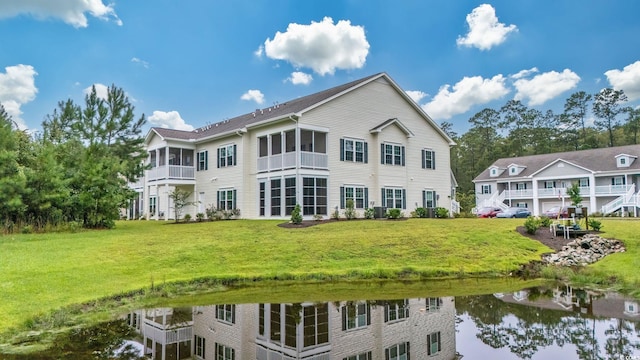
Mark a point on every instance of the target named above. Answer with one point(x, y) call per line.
point(546, 237)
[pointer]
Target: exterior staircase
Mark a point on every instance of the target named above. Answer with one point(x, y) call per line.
point(630, 199)
point(496, 200)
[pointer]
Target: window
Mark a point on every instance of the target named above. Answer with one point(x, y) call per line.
point(227, 156)
point(396, 310)
point(276, 194)
point(359, 195)
point(623, 161)
point(393, 198)
point(428, 159)
point(226, 313)
point(584, 182)
point(227, 199)
point(289, 195)
point(224, 352)
point(363, 356)
point(494, 172)
point(262, 197)
point(313, 141)
point(521, 186)
point(513, 170)
point(429, 199)
point(314, 196)
point(433, 343)
point(549, 184)
point(355, 316)
point(315, 325)
point(485, 189)
point(618, 181)
point(397, 352)
point(433, 304)
point(152, 204)
point(522, 205)
point(392, 154)
point(199, 346)
point(353, 150)
point(203, 160)
point(263, 146)
point(274, 324)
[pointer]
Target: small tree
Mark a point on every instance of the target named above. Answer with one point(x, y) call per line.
point(350, 211)
point(574, 194)
point(180, 199)
point(296, 216)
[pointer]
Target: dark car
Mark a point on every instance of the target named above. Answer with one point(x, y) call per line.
point(514, 212)
point(489, 212)
point(556, 212)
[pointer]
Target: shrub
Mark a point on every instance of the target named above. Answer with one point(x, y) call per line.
point(27, 229)
point(296, 216)
point(394, 213)
point(545, 221)
point(187, 217)
point(368, 213)
point(421, 212)
point(595, 224)
point(317, 217)
point(442, 213)
point(350, 212)
point(199, 217)
point(531, 225)
point(336, 214)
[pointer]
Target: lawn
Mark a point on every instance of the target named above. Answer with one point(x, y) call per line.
point(43, 272)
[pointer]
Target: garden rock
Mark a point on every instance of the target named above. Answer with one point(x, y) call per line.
point(583, 251)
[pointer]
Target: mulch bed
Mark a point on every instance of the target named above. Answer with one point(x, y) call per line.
point(308, 223)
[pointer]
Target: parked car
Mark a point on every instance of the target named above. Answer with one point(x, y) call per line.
point(555, 212)
point(489, 212)
point(514, 212)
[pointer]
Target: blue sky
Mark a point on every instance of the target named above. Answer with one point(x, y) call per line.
point(188, 63)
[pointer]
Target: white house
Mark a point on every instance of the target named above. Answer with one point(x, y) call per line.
point(365, 140)
point(608, 179)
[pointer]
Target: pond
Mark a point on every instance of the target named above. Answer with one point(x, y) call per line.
point(552, 322)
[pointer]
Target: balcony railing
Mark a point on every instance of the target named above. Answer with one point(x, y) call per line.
point(288, 161)
point(518, 194)
point(562, 192)
point(612, 189)
point(172, 172)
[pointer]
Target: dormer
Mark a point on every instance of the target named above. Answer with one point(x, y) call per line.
point(515, 169)
point(495, 171)
point(624, 160)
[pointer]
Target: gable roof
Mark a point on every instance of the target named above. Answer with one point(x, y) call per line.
point(289, 109)
point(395, 121)
point(594, 160)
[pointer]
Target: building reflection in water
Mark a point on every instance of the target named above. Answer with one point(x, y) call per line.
point(348, 330)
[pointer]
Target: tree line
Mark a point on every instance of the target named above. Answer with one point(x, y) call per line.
point(517, 130)
point(75, 172)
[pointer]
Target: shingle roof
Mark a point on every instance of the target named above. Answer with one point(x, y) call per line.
point(596, 160)
point(262, 115)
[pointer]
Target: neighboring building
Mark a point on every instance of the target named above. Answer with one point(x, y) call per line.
point(422, 328)
point(608, 178)
point(365, 140)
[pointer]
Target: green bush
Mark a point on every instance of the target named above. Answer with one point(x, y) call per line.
point(187, 217)
point(336, 214)
point(27, 229)
point(595, 224)
point(421, 212)
point(394, 213)
point(545, 222)
point(199, 217)
point(350, 212)
point(531, 225)
point(368, 213)
point(296, 216)
point(442, 213)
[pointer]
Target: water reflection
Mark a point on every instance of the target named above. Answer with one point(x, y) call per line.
point(538, 323)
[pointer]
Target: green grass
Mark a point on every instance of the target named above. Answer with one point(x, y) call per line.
point(40, 273)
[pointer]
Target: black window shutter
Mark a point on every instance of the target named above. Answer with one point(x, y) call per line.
point(435, 199)
point(433, 160)
point(424, 155)
point(408, 351)
point(386, 354)
point(406, 309)
point(198, 161)
point(386, 312)
point(439, 343)
point(235, 193)
point(429, 344)
point(404, 198)
point(235, 154)
point(218, 157)
point(366, 198)
point(402, 154)
point(368, 314)
point(381, 153)
point(218, 198)
point(383, 201)
point(342, 202)
point(424, 198)
point(366, 153)
point(344, 318)
point(341, 149)
point(206, 160)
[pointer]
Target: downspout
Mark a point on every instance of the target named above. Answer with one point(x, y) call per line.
point(297, 137)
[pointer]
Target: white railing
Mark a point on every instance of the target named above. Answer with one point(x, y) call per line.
point(171, 172)
point(288, 161)
point(496, 200)
point(455, 207)
point(178, 335)
point(612, 189)
point(137, 185)
point(519, 194)
point(627, 199)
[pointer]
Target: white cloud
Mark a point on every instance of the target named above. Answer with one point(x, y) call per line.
point(416, 95)
point(136, 60)
point(259, 51)
point(255, 95)
point(70, 11)
point(102, 91)
point(545, 86)
point(17, 87)
point(627, 80)
point(300, 78)
point(524, 73)
point(484, 29)
point(169, 120)
point(321, 46)
point(466, 93)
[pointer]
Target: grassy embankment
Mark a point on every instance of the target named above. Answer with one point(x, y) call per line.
point(43, 272)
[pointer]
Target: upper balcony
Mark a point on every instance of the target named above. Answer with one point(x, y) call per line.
point(281, 151)
point(171, 163)
point(555, 192)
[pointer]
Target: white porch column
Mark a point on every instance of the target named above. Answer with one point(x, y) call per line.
point(536, 202)
point(166, 188)
point(592, 194)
